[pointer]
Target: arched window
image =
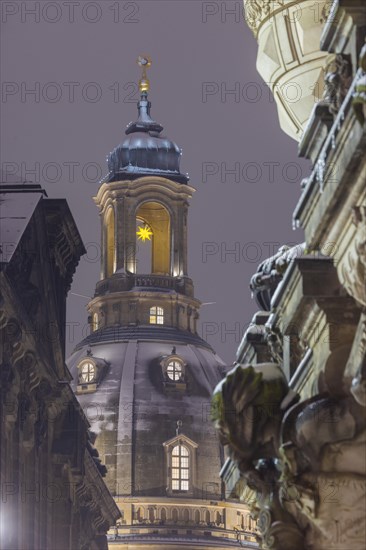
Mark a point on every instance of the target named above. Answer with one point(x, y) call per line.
point(174, 370)
point(197, 517)
point(139, 515)
point(151, 514)
point(110, 248)
point(156, 315)
point(207, 517)
point(218, 518)
point(95, 321)
point(180, 468)
point(153, 247)
point(175, 515)
point(163, 514)
point(186, 515)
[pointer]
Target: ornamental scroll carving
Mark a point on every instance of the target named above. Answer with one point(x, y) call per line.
point(257, 10)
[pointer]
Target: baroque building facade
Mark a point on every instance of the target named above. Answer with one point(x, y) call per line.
point(292, 410)
point(143, 374)
point(53, 495)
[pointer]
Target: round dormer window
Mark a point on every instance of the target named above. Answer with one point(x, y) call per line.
point(174, 370)
point(87, 372)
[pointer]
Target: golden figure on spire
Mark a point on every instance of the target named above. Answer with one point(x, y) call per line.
point(144, 61)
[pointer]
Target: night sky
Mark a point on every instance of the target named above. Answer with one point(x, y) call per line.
point(79, 58)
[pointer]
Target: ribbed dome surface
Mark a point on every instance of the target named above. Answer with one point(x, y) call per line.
point(144, 151)
point(133, 414)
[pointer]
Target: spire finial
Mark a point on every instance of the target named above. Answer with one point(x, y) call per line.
point(144, 62)
point(179, 425)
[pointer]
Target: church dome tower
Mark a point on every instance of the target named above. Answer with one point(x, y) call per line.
point(144, 376)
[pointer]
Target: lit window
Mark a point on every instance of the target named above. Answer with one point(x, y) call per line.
point(95, 321)
point(156, 315)
point(174, 370)
point(180, 468)
point(87, 372)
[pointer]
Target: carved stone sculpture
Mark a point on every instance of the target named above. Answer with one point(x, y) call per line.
point(305, 460)
point(338, 79)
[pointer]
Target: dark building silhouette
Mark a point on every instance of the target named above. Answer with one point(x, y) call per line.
point(52, 491)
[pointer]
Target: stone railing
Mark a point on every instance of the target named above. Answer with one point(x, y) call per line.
point(155, 281)
point(126, 282)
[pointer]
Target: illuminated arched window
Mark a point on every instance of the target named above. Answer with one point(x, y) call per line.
point(95, 321)
point(156, 315)
point(110, 245)
point(180, 468)
point(153, 233)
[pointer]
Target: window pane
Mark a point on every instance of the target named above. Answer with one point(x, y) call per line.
point(156, 315)
point(184, 451)
point(175, 485)
point(175, 473)
point(184, 474)
point(175, 461)
point(175, 451)
point(184, 485)
point(174, 370)
point(184, 462)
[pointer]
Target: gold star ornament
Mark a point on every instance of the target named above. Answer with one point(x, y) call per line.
point(144, 233)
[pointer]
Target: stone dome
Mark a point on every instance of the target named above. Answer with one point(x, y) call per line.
point(136, 410)
point(145, 151)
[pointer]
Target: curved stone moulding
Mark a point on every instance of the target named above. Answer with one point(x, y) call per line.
point(289, 58)
point(352, 268)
